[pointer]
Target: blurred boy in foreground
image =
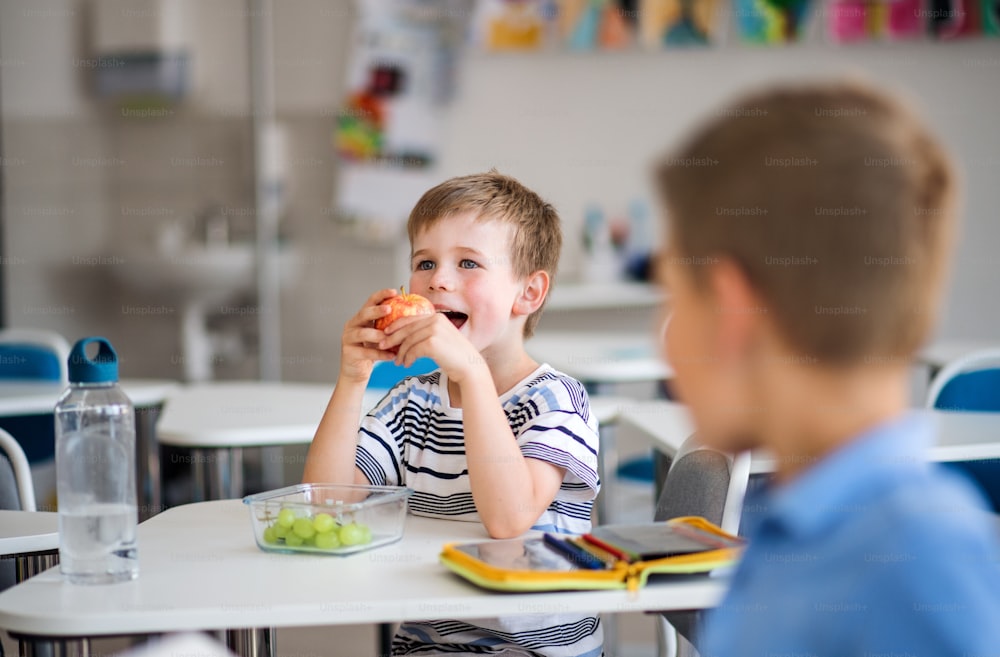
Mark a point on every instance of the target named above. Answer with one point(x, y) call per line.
point(809, 231)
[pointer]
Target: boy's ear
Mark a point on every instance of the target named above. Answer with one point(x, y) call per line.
point(738, 309)
point(533, 293)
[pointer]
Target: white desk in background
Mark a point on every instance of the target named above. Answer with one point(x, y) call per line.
point(620, 295)
point(600, 358)
point(958, 436)
point(31, 538)
point(199, 569)
point(941, 352)
point(217, 420)
point(147, 395)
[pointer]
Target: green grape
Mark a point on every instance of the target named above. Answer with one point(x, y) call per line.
point(286, 518)
point(293, 540)
point(269, 536)
point(303, 528)
point(352, 534)
point(366, 533)
point(323, 523)
point(280, 531)
point(327, 541)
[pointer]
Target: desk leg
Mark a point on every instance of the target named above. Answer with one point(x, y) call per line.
point(607, 466)
point(147, 455)
point(29, 565)
point(64, 648)
point(227, 482)
point(252, 642)
point(385, 632)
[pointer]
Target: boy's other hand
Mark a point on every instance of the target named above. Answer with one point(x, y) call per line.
point(359, 344)
point(435, 337)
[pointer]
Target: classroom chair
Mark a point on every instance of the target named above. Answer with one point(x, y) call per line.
point(16, 492)
point(29, 355)
point(971, 383)
point(702, 482)
point(33, 355)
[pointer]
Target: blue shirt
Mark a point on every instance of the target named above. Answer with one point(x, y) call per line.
point(871, 552)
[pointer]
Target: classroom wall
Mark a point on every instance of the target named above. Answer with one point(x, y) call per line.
point(582, 128)
point(579, 127)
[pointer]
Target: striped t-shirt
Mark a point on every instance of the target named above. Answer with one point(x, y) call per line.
point(413, 437)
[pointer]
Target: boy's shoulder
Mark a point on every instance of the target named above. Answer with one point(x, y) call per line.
point(552, 390)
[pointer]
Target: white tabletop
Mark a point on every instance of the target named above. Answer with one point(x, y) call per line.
point(247, 413)
point(666, 423)
point(24, 532)
point(958, 436)
point(600, 356)
point(200, 569)
point(28, 398)
point(941, 352)
point(602, 296)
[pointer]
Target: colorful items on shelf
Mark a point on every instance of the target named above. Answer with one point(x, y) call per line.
point(677, 22)
point(991, 17)
point(513, 25)
point(594, 24)
point(852, 21)
point(606, 25)
point(770, 21)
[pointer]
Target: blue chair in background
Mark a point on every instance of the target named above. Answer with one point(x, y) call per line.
point(34, 356)
point(387, 374)
point(971, 383)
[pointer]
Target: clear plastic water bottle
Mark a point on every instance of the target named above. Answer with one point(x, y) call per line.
point(95, 470)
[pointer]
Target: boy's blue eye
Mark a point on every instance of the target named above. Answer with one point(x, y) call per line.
point(468, 264)
point(424, 265)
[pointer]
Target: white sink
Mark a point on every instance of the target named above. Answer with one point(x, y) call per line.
point(199, 274)
point(199, 280)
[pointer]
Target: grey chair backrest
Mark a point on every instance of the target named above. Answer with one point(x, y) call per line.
point(696, 485)
point(701, 482)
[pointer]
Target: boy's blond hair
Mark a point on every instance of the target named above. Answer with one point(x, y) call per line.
point(536, 238)
point(837, 203)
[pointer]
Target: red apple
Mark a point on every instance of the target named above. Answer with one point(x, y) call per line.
point(405, 305)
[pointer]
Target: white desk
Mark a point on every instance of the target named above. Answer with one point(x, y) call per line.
point(31, 539)
point(24, 532)
point(200, 569)
point(958, 436)
point(26, 398)
point(603, 296)
point(600, 358)
point(222, 418)
point(941, 352)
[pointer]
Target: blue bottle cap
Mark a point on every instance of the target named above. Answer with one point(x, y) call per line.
point(103, 368)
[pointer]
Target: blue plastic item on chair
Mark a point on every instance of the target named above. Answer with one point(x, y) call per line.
point(387, 374)
point(972, 383)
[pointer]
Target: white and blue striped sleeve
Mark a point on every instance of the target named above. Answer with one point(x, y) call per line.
point(378, 452)
point(559, 428)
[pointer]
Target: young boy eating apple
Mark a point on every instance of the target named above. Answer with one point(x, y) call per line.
point(804, 262)
point(491, 436)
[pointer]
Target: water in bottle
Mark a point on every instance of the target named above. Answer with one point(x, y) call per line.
point(95, 470)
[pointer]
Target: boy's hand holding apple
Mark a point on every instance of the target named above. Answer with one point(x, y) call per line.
point(359, 349)
point(415, 333)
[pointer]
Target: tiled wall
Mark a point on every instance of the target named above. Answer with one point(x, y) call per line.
point(90, 186)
